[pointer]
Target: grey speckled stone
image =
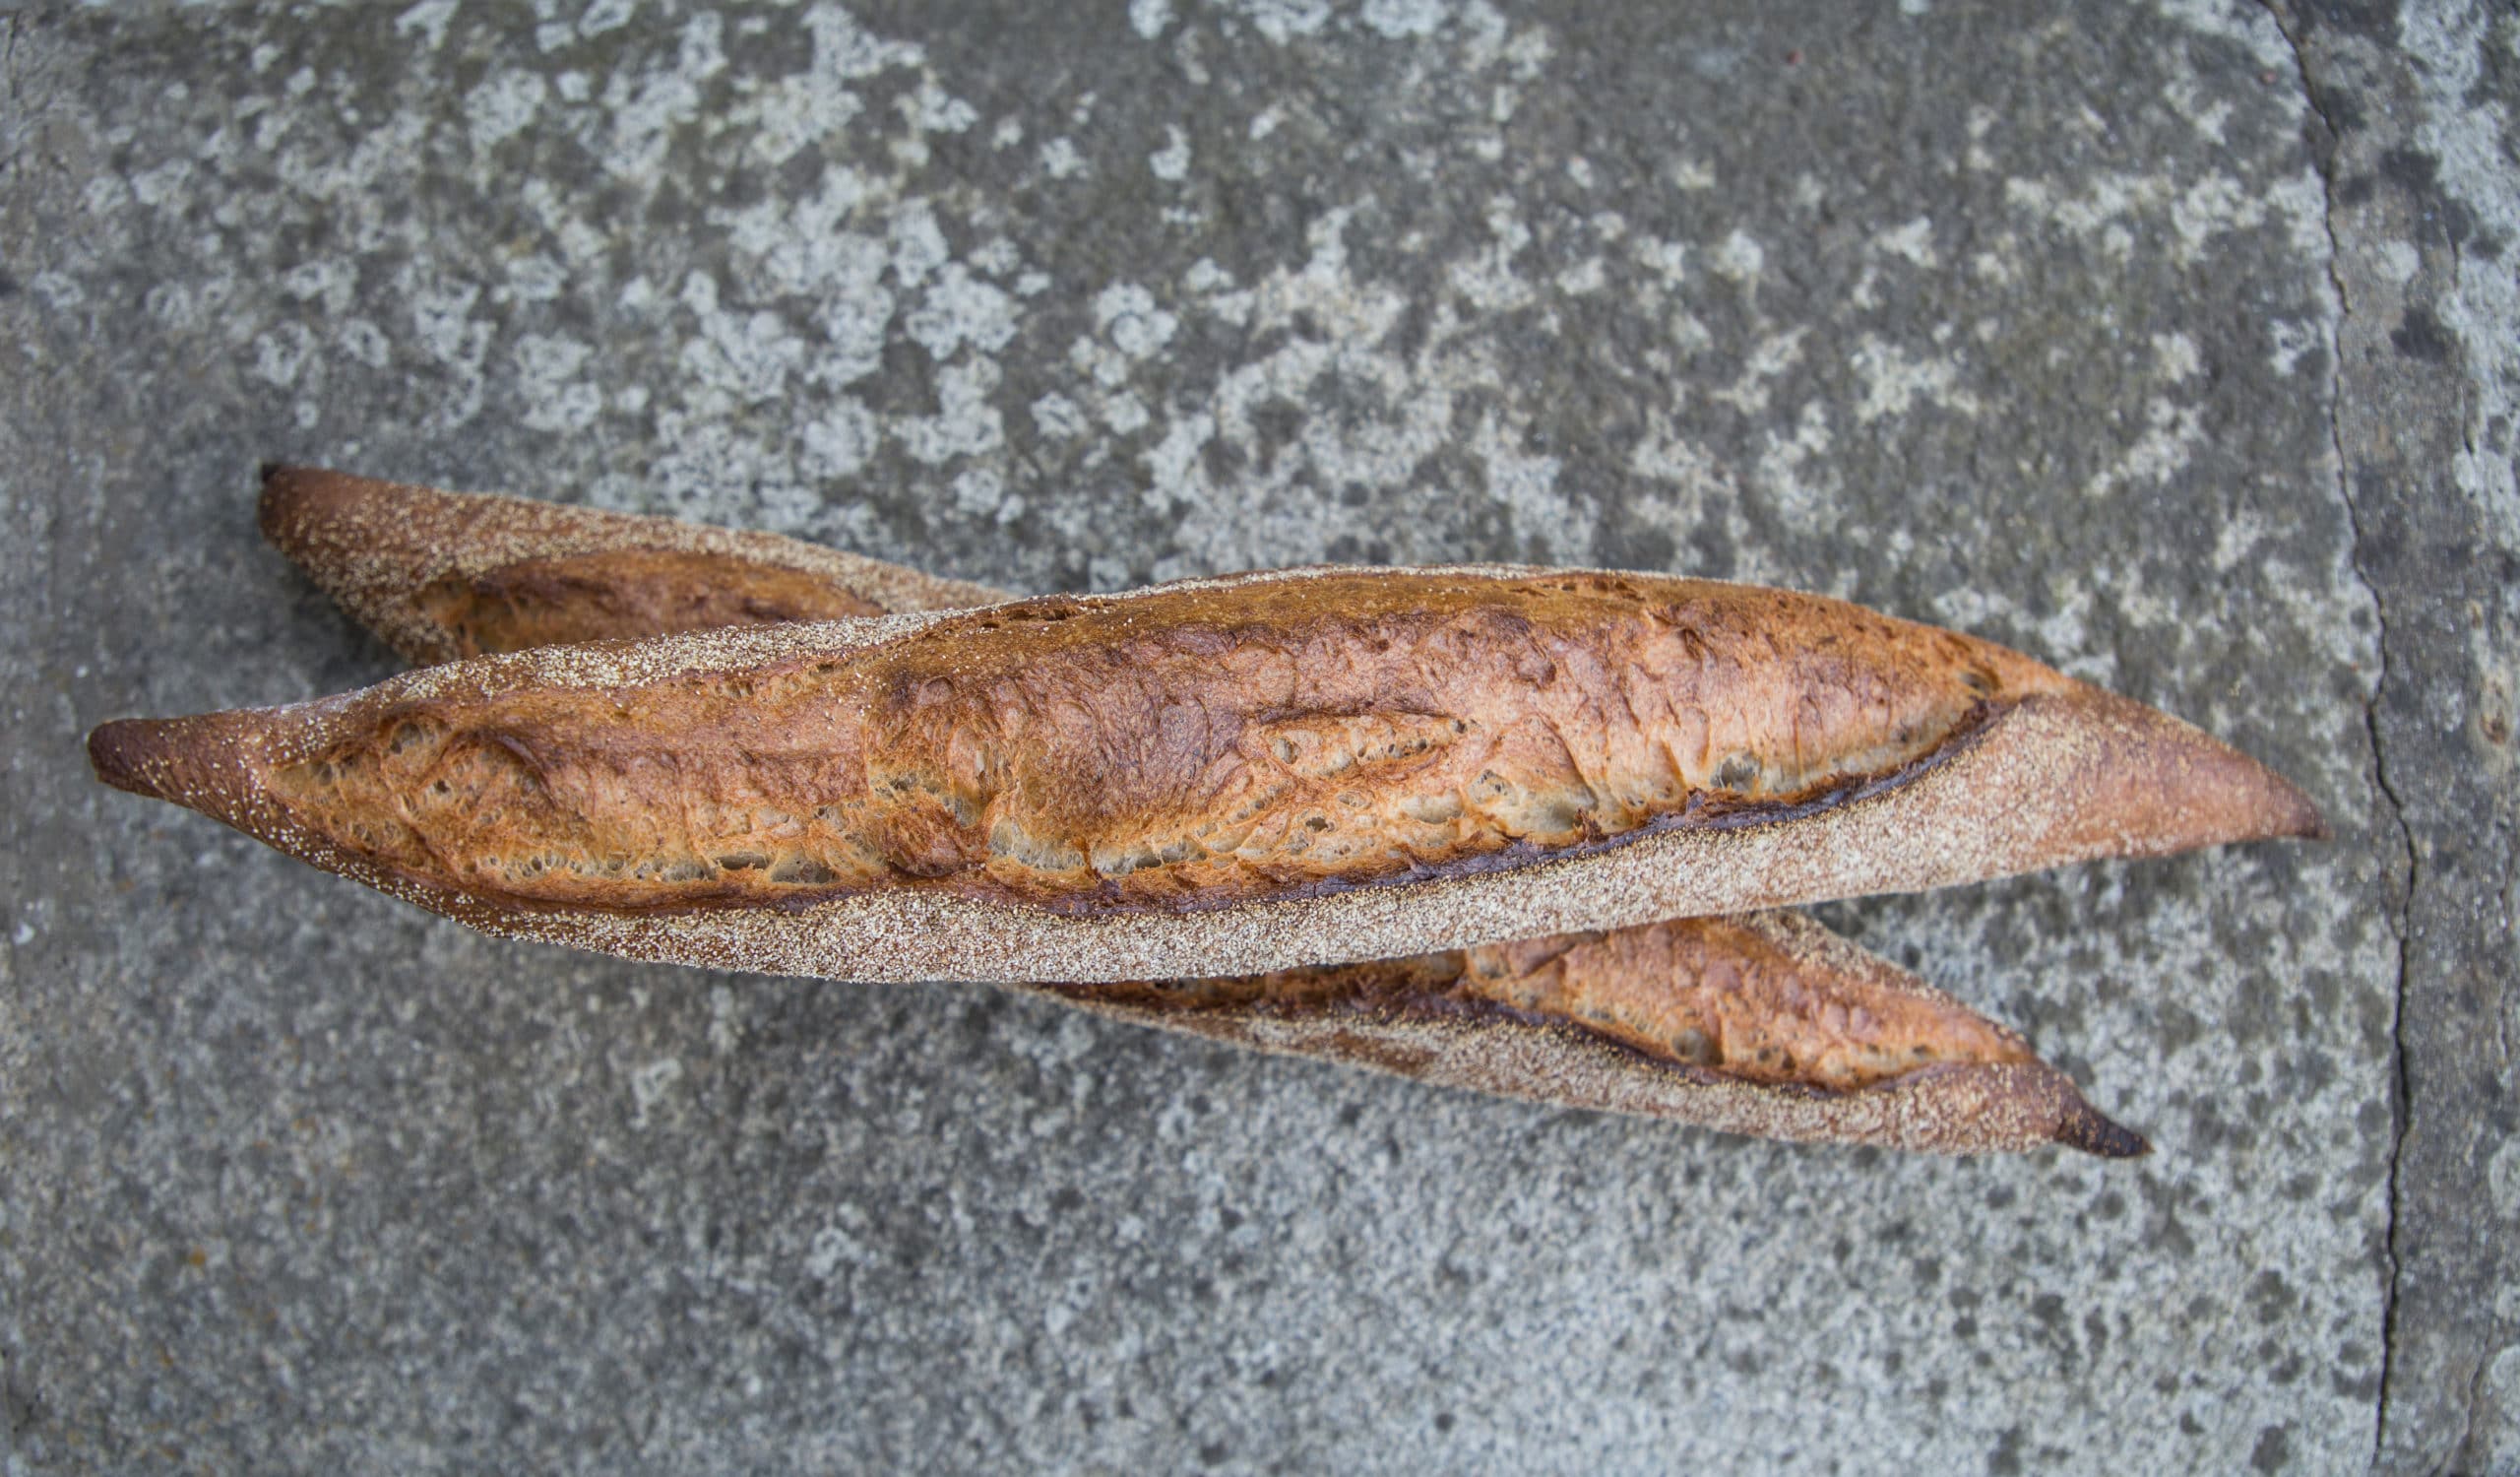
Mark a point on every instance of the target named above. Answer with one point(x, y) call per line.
point(2019, 321)
point(2417, 125)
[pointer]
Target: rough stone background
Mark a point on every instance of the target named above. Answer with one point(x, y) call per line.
point(2177, 345)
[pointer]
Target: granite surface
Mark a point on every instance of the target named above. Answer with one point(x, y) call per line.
point(2176, 344)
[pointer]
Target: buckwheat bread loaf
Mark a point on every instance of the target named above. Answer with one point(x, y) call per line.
point(1763, 1024)
point(442, 576)
point(1215, 777)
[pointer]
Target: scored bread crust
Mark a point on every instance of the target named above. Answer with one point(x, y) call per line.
point(423, 567)
point(1976, 1089)
point(1765, 1024)
point(2063, 773)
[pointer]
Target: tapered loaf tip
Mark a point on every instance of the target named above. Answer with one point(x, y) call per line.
point(293, 501)
point(283, 485)
point(143, 755)
point(2080, 1126)
point(2300, 818)
point(205, 762)
point(2142, 782)
point(1997, 1108)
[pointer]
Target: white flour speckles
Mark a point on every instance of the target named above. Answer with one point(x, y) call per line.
point(1325, 392)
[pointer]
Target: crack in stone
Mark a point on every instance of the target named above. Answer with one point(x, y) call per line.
point(2400, 924)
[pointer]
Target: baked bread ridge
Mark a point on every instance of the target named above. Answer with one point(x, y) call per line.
point(1976, 1089)
point(411, 561)
point(2063, 774)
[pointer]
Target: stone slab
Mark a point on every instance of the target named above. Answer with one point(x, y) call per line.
point(2025, 322)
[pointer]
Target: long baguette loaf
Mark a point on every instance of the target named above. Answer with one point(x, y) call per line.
point(443, 575)
point(1762, 1024)
point(1225, 776)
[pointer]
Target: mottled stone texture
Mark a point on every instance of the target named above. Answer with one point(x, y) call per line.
point(2178, 345)
point(2419, 139)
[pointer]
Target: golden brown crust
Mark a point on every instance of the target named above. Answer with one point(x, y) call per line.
point(1764, 1024)
point(443, 575)
point(1202, 747)
point(1753, 997)
point(1909, 759)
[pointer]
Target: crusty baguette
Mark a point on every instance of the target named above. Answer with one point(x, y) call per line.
point(442, 576)
point(1213, 777)
point(1764, 1024)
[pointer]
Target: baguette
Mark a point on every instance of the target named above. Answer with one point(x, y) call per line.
point(1763, 1024)
point(1213, 777)
point(445, 575)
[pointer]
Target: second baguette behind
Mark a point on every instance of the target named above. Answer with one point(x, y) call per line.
point(446, 575)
